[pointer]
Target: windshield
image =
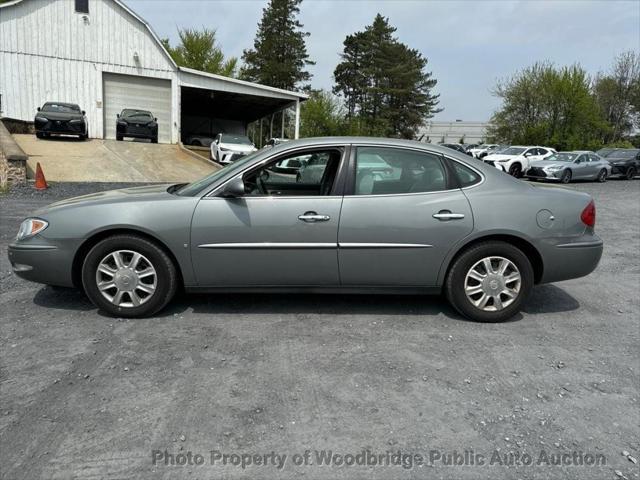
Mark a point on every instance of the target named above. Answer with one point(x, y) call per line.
point(626, 154)
point(200, 185)
point(513, 151)
point(137, 114)
point(562, 157)
point(238, 139)
point(60, 108)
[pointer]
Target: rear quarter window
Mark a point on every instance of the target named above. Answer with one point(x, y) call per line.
point(466, 176)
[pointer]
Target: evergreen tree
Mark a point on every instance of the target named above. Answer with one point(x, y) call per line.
point(279, 55)
point(384, 83)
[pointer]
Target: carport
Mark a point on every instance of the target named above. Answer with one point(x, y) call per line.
point(212, 104)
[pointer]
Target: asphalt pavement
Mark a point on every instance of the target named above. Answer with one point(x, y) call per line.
point(247, 384)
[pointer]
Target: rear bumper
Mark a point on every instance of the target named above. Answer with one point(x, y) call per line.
point(564, 260)
point(42, 263)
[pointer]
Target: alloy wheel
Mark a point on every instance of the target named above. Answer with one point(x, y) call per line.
point(492, 284)
point(126, 278)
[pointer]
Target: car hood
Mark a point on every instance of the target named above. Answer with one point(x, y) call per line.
point(499, 156)
point(60, 116)
point(134, 194)
point(136, 121)
point(237, 147)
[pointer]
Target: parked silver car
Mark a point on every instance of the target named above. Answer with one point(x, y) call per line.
point(428, 221)
point(566, 166)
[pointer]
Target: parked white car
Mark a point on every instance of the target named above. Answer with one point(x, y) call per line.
point(480, 149)
point(229, 147)
point(516, 159)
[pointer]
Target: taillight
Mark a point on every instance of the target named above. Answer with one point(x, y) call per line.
point(588, 215)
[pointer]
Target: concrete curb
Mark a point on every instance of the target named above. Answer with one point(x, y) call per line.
point(198, 157)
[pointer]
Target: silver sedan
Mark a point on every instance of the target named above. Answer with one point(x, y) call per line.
point(379, 215)
point(564, 167)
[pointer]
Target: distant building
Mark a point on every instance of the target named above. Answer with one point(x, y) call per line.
point(453, 132)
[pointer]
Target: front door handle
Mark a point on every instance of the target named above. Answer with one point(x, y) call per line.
point(447, 215)
point(311, 217)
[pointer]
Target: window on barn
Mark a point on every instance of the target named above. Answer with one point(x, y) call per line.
point(82, 6)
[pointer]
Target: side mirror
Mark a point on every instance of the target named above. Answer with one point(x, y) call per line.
point(155, 119)
point(38, 108)
point(117, 115)
point(528, 154)
point(234, 189)
point(83, 112)
point(578, 160)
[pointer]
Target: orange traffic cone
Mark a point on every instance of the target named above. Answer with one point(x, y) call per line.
point(41, 182)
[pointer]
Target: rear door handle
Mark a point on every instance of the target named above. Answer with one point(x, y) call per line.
point(311, 217)
point(447, 215)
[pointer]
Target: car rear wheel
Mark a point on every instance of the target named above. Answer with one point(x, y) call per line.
point(515, 170)
point(631, 172)
point(489, 282)
point(129, 276)
point(602, 176)
point(566, 176)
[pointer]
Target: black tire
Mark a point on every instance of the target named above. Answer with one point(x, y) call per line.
point(83, 137)
point(515, 170)
point(630, 173)
point(454, 286)
point(196, 143)
point(39, 135)
point(566, 177)
point(154, 139)
point(602, 176)
point(119, 138)
point(166, 275)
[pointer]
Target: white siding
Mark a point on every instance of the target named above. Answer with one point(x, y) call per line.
point(49, 52)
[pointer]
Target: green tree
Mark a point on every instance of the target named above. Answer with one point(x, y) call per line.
point(279, 55)
point(384, 83)
point(547, 105)
point(618, 96)
point(322, 115)
point(198, 50)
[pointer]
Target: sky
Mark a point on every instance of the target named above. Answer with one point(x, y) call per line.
point(469, 44)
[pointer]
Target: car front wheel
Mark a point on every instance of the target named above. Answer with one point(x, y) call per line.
point(602, 176)
point(515, 170)
point(129, 276)
point(631, 172)
point(566, 176)
point(489, 282)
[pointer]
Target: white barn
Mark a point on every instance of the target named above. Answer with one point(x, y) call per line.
point(104, 57)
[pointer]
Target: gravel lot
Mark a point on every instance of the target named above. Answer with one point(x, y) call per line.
point(87, 396)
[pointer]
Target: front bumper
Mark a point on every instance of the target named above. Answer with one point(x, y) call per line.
point(567, 259)
point(61, 127)
point(540, 174)
point(136, 132)
point(42, 263)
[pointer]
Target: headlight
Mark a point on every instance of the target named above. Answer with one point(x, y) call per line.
point(122, 123)
point(76, 120)
point(31, 227)
point(41, 119)
point(503, 160)
point(552, 168)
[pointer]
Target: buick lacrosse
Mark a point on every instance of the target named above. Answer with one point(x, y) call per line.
point(351, 215)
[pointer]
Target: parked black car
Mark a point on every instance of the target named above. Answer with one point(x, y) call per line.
point(61, 118)
point(136, 124)
point(625, 162)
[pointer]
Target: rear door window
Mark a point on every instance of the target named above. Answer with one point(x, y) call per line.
point(386, 171)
